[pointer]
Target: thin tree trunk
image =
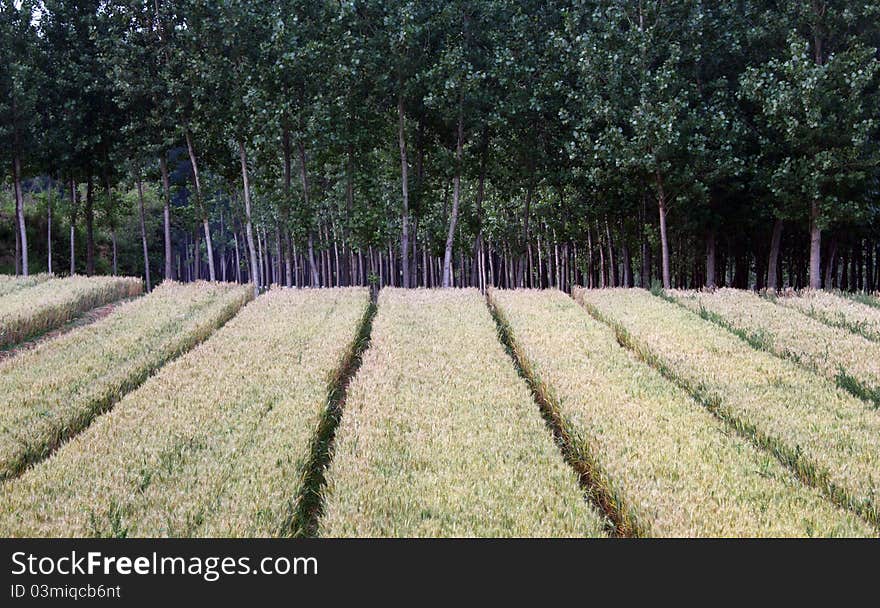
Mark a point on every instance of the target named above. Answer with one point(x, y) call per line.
point(166, 216)
point(336, 258)
point(19, 208)
point(289, 278)
point(664, 236)
point(627, 266)
point(304, 177)
point(140, 190)
point(237, 258)
point(115, 250)
point(249, 229)
point(612, 265)
point(815, 247)
point(73, 209)
point(404, 183)
point(773, 261)
point(49, 223)
point(601, 257)
point(710, 259)
point(590, 283)
point(491, 256)
point(456, 195)
point(540, 249)
point(278, 256)
point(90, 227)
point(260, 268)
point(17, 241)
point(201, 205)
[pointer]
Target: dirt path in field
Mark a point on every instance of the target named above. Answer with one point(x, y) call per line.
point(87, 318)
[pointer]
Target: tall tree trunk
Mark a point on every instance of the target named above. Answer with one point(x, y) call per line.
point(73, 210)
point(773, 261)
point(478, 246)
point(815, 247)
point(831, 263)
point(49, 223)
point(19, 208)
point(200, 204)
point(404, 184)
point(627, 266)
point(590, 282)
point(304, 177)
point(249, 229)
point(278, 268)
point(664, 236)
point(90, 226)
point(612, 263)
point(140, 190)
point(336, 258)
point(262, 272)
point(166, 216)
point(285, 208)
point(456, 196)
point(17, 242)
point(115, 250)
point(647, 263)
point(710, 258)
point(526, 234)
point(237, 257)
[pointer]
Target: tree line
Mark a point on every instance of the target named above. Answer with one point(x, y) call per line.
point(438, 143)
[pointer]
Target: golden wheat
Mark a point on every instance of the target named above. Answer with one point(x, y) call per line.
point(11, 283)
point(247, 479)
point(52, 392)
point(212, 444)
point(674, 469)
point(836, 310)
point(849, 359)
point(27, 312)
point(823, 432)
point(439, 436)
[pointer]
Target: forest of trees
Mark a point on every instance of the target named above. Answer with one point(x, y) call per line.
point(444, 142)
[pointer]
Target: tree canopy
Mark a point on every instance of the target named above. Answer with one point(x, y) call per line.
point(506, 142)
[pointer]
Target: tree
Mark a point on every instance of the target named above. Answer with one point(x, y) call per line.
point(20, 78)
point(819, 100)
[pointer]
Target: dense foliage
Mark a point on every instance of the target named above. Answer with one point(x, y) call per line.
point(503, 142)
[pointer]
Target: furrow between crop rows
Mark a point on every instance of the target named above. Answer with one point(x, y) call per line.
point(823, 433)
point(248, 478)
point(441, 438)
point(305, 518)
point(596, 486)
point(669, 467)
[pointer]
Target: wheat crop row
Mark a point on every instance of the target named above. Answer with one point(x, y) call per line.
point(212, 445)
point(841, 356)
point(247, 479)
point(835, 310)
point(672, 468)
point(25, 313)
point(52, 392)
point(824, 433)
point(440, 437)
point(12, 283)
